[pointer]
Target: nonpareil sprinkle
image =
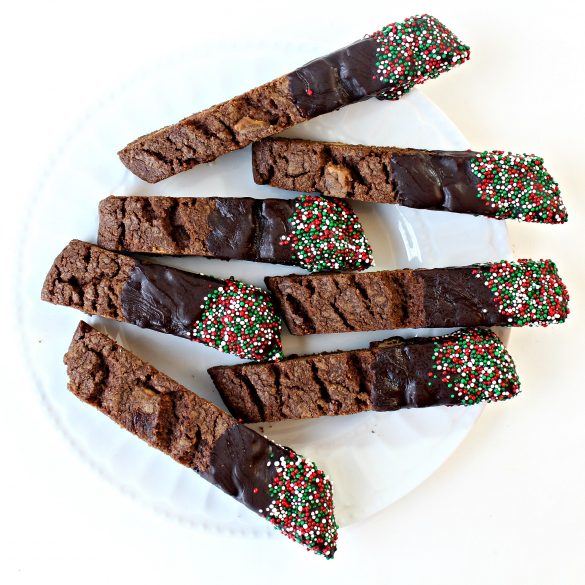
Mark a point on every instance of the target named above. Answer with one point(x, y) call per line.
point(413, 51)
point(475, 366)
point(327, 235)
point(518, 186)
point(527, 292)
point(238, 318)
point(302, 504)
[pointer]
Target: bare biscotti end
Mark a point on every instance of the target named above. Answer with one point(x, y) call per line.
point(143, 400)
point(206, 135)
point(88, 278)
point(156, 225)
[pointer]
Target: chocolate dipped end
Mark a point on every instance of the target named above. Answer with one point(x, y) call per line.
point(492, 183)
point(453, 297)
point(313, 232)
point(229, 315)
point(165, 299)
point(466, 367)
point(387, 65)
point(518, 186)
point(336, 80)
point(326, 235)
point(278, 484)
point(509, 293)
point(525, 292)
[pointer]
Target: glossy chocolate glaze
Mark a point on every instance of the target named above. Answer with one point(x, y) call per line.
point(238, 465)
point(401, 375)
point(440, 180)
point(251, 229)
point(455, 297)
point(165, 299)
point(335, 80)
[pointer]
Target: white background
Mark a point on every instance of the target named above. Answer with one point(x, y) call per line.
point(509, 506)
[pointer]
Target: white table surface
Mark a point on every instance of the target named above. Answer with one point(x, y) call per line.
point(509, 505)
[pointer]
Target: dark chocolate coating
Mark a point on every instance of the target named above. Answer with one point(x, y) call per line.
point(455, 297)
point(401, 376)
point(232, 228)
point(165, 299)
point(336, 80)
point(251, 229)
point(238, 465)
point(441, 180)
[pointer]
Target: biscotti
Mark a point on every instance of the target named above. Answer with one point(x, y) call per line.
point(491, 183)
point(466, 367)
point(227, 315)
point(386, 64)
point(273, 481)
point(526, 292)
point(298, 232)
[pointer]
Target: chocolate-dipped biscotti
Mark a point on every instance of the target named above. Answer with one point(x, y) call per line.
point(273, 481)
point(466, 367)
point(492, 183)
point(526, 292)
point(227, 315)
point(314, 232)
point(386, 64)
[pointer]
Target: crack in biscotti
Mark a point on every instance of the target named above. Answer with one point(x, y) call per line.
point(323, 390)
point(277, 372)
point(178, 234)
point(254, 396)
point(357, 178)
point(186, 152)
point(172, 422)
point(363, 399)
point(181, 435)
point(100, 373)
point(120, 244)
point(148, 211)
point(394, 196)
point(157, 155)
point(361, 291)
point(337, 310)
point(412, 292)
point(297, 315)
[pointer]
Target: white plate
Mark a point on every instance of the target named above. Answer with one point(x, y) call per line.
point(372, 458)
